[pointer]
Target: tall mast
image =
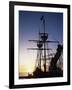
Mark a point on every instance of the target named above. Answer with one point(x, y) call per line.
point(44, 39)
point(44, 48)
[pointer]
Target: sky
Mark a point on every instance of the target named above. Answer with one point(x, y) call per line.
point(29, 26)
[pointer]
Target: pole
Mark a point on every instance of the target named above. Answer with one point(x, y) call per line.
point(44, 47)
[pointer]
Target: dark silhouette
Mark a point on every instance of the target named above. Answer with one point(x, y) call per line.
point(42, 49)
point(54, 71)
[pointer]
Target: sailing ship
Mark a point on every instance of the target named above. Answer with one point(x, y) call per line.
point(43, 56)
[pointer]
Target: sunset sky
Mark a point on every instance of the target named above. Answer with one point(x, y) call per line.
point(29, 26)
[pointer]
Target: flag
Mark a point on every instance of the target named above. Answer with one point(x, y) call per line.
point(42, 18)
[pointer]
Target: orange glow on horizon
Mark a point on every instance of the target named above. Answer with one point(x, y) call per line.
point(24, 70)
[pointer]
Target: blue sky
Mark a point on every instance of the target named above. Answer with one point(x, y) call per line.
point(29, 25)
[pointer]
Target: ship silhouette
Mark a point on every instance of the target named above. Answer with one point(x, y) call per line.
point(43, 56)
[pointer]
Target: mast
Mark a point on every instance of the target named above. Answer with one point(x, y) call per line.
point(44, 37)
